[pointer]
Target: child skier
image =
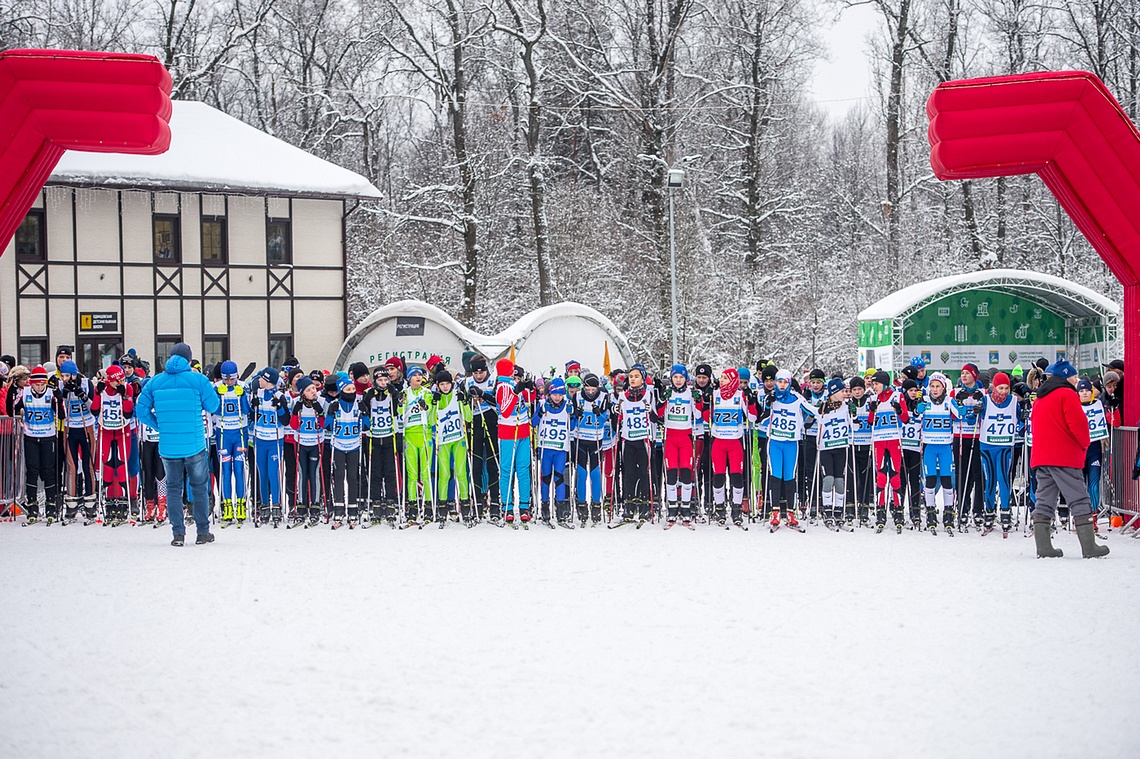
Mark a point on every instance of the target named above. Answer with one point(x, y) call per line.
point(415, 411)
point(680, 408)
point(76, 392)
point(113, 405)
point(888, 415)
point(1098, 433)
point(380, 403)
point(40, 408)
point(912, 450)
point(834, 445)
point(938, 414)
point(230, 433)
point(347, 423)
point(591, 413)
point(480, 387)
point(967, 456)
point(636, 412)
point(998, 415)
point(726, 417)
point(860, 481)
point(270, 419)
point(554, 422)
point(785, 427)
point(513, 400)
point(307, 421)
point(451, 415)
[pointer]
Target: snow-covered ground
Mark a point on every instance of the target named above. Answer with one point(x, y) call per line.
point(496, 643)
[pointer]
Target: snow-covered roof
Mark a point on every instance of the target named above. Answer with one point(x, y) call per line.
point(561, 340)
point(213, 152)
point(1064, 297)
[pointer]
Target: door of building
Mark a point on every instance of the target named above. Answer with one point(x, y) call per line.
point(95, 353)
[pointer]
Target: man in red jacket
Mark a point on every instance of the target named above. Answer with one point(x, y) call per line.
point(1060, 426)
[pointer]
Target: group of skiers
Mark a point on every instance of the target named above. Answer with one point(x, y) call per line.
point(409, 445)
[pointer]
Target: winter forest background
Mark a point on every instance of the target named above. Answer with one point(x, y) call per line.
point(522, 148)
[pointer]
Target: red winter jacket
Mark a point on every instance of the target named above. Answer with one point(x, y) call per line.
point(1060, 429)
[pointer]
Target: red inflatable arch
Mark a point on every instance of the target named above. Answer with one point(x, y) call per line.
point(1066, 128)
point(57, 100)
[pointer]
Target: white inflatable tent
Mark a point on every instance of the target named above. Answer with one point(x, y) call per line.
point(544, 338)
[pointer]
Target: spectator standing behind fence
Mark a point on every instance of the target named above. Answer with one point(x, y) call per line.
point(1059, 419)
point(172, 403)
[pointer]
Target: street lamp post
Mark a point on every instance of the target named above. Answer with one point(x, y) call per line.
point(676, 180)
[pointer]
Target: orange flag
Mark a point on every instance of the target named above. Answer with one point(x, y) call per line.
point(606, 360)
point(512, 356)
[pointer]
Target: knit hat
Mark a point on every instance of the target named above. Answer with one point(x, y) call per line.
point(971, 368)
point(572, 366)
point(303, 383)
point(909, 384)
point(432, 362)
point(1043, 364)
point(1111, 376)
point(918, 363)
point(69, 367)
point(835, 386)
point(330, 384)
point(729, 383)
point(66, 350)
point(704, 370)
point(784, 374)
point(183, 350)
point(1001, 378)
point(639, 367)
point(881, 377)
point(817, 374)
point(941, 378)
point(39, 374)
point(270, 375)
point(1062, 369)
point(769, 372)
point(229, 369)
point(855, 382)
point(591, 380)
point(344, 385)
point(761, 364)
point(910, 372)
point(50, 367)
point(291, 361)
point(444, 376)
point(1084, 384)
point(1018, 371)
point(504, 367)
point(679, 369)
point(479, 364)
point(557, 386)
point(317, 376)
point(358, 369)
point(574, 381)
point(395, 361)
point(415, 371)
point(114, 373)
point(291, 375)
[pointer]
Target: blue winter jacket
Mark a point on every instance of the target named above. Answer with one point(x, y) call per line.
point(172, 403)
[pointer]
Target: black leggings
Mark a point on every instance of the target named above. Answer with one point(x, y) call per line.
point(152, 469)
point(636, 489)
point(308, 458)
point(83, 466)
point(39, 464)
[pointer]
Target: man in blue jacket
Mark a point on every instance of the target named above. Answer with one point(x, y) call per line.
point(172, 403)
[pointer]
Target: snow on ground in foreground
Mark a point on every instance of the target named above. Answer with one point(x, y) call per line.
point(495, 643)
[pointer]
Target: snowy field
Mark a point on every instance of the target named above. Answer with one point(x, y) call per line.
point(496, 643)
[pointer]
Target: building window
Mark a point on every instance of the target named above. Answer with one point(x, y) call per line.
point(167, 240)
point(33, 351)
point(31, 237)
point(214, 240)
point(215, 349)
point(280, 348)
point(163, 347)
point(278, 241)
point(97, 353)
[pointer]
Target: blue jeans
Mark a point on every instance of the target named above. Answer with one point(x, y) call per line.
point(196, 468)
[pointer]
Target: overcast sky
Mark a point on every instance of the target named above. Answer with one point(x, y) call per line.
point(844, 78)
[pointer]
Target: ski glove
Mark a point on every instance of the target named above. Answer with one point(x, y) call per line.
point(435, 396)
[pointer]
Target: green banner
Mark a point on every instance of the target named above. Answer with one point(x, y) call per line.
point(875, 334)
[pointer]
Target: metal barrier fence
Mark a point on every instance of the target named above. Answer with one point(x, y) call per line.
point(11, 464)
point(1120, 492)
